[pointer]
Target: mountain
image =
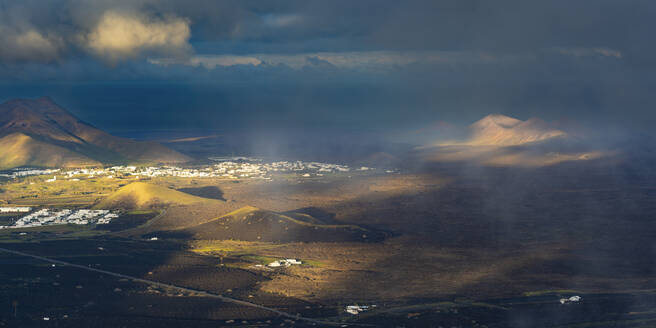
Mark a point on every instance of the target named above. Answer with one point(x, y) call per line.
point(141, 195)
point(38, 132)
point(499, 140)
point(254, 224)
point(501, 130)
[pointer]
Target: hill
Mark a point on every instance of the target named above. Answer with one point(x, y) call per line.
point(33, 130)
point(254, 224)
point(501, 130)
point(141, 195)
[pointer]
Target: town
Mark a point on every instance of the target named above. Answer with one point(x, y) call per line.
point(226, 169)
point(24, 172)
point(47, 217)
point(229, 168)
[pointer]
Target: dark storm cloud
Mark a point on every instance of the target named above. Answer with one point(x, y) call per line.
point(345, 62)
point(500, 26)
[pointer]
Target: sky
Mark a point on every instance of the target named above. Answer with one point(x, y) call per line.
point(383, 64)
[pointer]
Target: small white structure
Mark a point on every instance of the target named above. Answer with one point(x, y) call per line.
point(293, 261)
point(572, 299)
point(153, 238)
point(274, 264)
point(54, 178)
point(285, 263)
point(356, 309)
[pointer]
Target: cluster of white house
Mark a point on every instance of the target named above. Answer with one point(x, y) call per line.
point(225, 169)
point(46, 217)
point(24, 172)
point(240, 168)
point(105, 172)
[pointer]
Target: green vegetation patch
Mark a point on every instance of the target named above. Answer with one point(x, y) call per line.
point(312, 263)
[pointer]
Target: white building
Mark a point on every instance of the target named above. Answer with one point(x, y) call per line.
point(356, 309)
point(285, 262)
point(572, 299)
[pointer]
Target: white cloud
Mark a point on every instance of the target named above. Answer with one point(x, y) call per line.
point(125, 35)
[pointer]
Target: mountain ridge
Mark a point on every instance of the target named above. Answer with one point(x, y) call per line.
point(51, 127)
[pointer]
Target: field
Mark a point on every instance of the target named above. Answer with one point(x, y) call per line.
point(463, 246)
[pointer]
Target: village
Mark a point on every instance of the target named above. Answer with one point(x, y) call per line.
point(47, 217)
point(24, 172)
point(227, 169)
